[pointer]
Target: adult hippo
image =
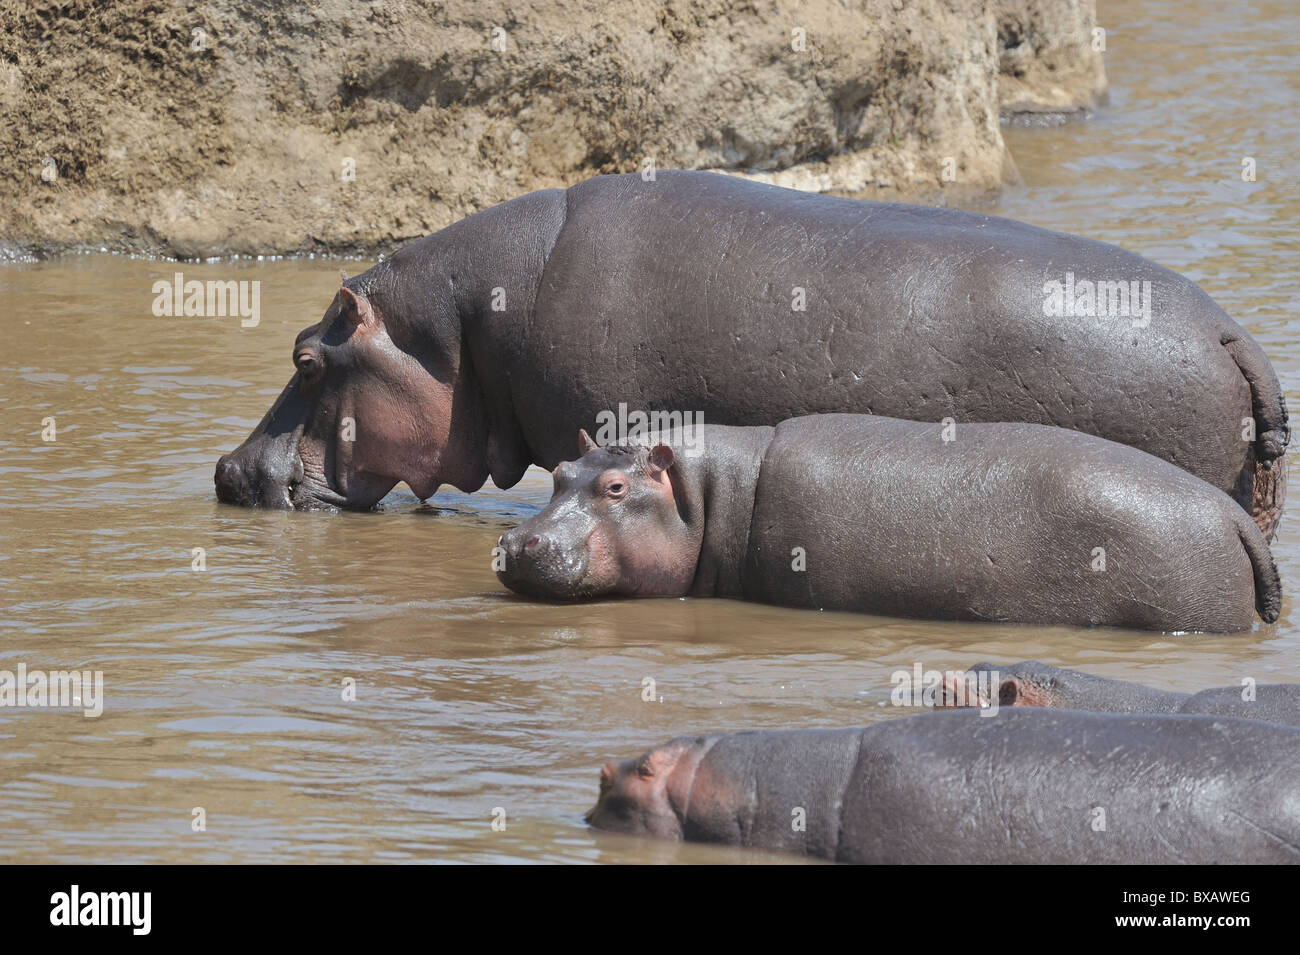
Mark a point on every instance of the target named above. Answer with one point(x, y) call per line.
point(1030, 683)
point(1041, 786)
point(1007, 522)
point(474, 351)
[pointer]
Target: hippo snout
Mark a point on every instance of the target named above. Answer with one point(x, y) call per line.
point(232, 486)
point(540, 564)
point(517, 542)
point(239, 480)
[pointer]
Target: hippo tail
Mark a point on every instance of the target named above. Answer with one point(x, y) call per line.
point(1268, 402)
point(1268, 586)
point(1261, 488)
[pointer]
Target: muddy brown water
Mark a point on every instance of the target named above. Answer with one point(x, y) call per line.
point(223, 687)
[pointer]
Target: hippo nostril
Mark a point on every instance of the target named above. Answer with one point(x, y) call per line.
point(532, 542)
point(228, 473)
point(232, 488)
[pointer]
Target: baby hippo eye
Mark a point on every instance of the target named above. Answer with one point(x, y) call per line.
point(614, 485)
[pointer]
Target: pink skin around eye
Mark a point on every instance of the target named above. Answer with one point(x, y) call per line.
point(614, 484)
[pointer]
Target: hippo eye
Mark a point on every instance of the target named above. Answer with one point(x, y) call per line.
point(307, 363)
point(614, 485)
point(644, 768)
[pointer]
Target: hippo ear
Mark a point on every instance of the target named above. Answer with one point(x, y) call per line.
point(664, 467)
point(661, 458)
point(585, 443)
point(1009, 693)
point(355, 308)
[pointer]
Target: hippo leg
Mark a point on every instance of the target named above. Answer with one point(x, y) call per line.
point(1261, 491)
point(1261, 486)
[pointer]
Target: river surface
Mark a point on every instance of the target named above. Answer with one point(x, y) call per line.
point(223, 687)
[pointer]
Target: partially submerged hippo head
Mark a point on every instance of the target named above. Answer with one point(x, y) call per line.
point(619, 522)
point(638, 796)
point(375, 399)
point(1029, 683)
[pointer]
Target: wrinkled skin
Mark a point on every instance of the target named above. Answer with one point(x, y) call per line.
point(488, 341)
point(385, 388)
point(1030, 683)
point(351, 368)
point(880, 515)
point(956, 788)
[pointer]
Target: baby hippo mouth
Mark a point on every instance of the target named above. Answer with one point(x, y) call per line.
point(538, 566)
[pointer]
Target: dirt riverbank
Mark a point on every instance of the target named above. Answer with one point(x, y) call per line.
point(194, 129)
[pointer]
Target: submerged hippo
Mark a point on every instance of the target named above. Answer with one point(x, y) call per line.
point(1004, 522)
point(1039, 786)
point(470, 353)
point(1031, 683)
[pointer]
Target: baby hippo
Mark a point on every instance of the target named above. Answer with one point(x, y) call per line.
point(1031, 683)
point(1042, 786)
point(996, 522)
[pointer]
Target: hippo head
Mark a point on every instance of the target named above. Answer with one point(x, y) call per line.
point(1037, 684)
point(376, 398)
point(637, 796)
point(620, 522)
point(1028, 683)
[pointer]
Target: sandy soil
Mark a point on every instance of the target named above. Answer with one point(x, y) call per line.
point(195, 129)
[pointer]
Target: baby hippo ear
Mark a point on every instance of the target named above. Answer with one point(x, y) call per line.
point(661, 458)
point(585, 443)
point(1009, 693)
point(657, 762)
point(356, 308)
